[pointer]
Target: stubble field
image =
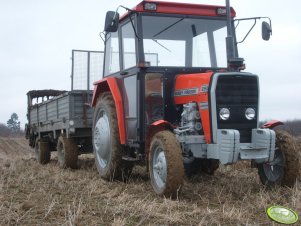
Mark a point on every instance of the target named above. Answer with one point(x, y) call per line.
point(33, 194)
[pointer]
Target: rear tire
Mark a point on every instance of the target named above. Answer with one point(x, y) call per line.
point(42, 152)
point(285, 168)
point(67, 152)
point(107, 148)
point(166, 164)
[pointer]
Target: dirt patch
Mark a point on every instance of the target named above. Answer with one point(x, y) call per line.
point(14, 148)
point(34, 194)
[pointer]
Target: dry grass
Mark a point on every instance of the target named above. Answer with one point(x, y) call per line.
point(32, 194)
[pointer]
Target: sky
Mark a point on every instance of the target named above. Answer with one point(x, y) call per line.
point(37, 37)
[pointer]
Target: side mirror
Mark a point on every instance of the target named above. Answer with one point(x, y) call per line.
point(112, 21)
point(266, 31)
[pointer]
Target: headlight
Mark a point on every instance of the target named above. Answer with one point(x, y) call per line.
point(224, 113)
point(150, 6)
point(250, 113)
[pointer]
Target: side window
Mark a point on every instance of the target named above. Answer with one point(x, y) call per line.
point(153, 97)
point(112, 54)
point(130, 96)
point(129, 47)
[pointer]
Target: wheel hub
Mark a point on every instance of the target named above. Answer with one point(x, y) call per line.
point(61, 152)
point(102, 139)
point(159, 167)
point(274, 169)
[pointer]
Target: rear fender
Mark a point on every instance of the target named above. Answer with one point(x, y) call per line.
point(272, 124)
point(110, 85)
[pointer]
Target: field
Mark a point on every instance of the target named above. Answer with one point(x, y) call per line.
point(33, 194)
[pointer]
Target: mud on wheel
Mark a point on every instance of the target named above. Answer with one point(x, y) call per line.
point(166, 164)
point(67, 152)
point(285, 168)
point(42, 151)
point(106, 141)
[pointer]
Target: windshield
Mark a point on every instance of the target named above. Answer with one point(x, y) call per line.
point(184, 42)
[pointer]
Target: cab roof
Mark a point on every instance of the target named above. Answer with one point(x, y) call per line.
point(181, 9)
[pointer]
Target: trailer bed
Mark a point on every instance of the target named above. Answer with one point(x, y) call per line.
point(64, 112)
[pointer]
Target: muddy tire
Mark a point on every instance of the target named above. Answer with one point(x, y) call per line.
point(67, 152)
point(42, 152)
point(106, 141)
point(166, 164)
point(285, 168)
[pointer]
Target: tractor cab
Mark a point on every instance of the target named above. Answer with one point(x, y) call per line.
point(153, 43)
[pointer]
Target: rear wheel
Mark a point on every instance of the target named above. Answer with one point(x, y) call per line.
point(166, 164)
point(284, 169)
point(67, 152)
point(42, 151)
point(106, 141)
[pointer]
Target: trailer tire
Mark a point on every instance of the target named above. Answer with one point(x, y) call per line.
point(209, 166)
point(107, 148)
point(42, 152)
point(67, 152)
point(166, 164)
point(286, 163)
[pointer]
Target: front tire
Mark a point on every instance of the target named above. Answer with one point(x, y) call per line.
point(166, 164)
point(106, 142)
point(285, 168)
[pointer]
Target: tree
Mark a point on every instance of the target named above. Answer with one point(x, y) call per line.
point(13, 123)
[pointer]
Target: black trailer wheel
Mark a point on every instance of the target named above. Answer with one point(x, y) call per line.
point(166, 164)
point(197, 165)
point(42, 151)
point(285, 168)
point(67, 152)
point(209, 166)
point(106, 141)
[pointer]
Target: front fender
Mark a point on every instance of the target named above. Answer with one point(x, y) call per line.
point(154, 128)
point(272, 124)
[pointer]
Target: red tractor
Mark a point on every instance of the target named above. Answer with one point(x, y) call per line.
point(174, 98)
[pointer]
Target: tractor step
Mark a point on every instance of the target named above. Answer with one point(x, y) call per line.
point(130, 159)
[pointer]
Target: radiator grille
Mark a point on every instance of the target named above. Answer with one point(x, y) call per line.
point(237, 92)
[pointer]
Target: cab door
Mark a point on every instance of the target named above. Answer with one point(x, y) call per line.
point(129, 75)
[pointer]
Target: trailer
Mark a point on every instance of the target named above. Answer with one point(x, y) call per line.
point(60, 120)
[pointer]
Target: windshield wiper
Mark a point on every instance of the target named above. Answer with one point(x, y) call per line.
point(156, 41)
point(170, 26)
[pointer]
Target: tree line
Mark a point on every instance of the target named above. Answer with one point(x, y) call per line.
point(12, 127)
point(293, 127)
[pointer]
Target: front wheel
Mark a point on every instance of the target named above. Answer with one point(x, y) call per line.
point(166, 164)
point(284, 169)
